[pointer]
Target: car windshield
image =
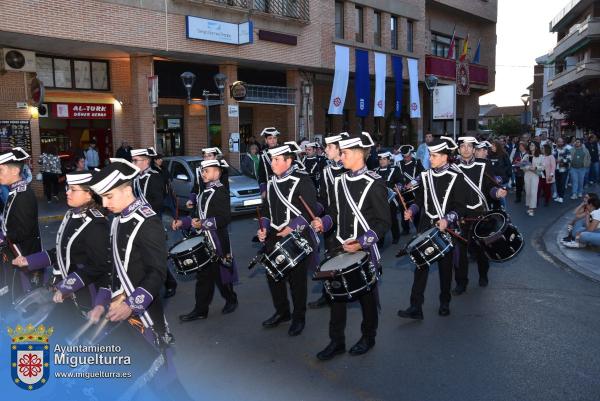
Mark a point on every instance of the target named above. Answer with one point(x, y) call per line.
point(194, 164)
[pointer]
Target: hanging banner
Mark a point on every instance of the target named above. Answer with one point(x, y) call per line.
point(380, 73)
point(399, 85)
point(340, 80)
point(413, 76)
point(462, 79)
point(362, 83)
point(443, 102)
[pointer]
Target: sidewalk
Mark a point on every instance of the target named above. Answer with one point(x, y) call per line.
point(51, 211)
point(585, 261)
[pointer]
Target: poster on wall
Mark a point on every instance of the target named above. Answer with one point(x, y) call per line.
point(15, 133)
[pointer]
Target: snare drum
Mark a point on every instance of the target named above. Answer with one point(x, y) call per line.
point(347, 276)
point(287, 253)
point(33, 307)
point(191, 254)
point(497, 236)
point(428, 247)
point(409, 194)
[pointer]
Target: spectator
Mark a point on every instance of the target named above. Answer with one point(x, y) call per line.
point(92, 159)
point(501, 165)
point(533, 165)
point(587, 230)
point(79, 163)
point(580, 163)
point(423, 151)
point(51, 170)
point(563, 164)
point(519, 157)
point(592, 146)
point(168, 200)
point(124, 151)
point(580, 212)
point(250, 161)
point(547, 176)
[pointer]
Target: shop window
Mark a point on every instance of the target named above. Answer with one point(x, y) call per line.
point(66, 73)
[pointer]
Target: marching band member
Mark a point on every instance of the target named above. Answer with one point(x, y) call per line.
point(264, 167)
point(283, 212)
point(411, 169)
point(392, 176)
point(213, 153)
point(358, 221)
point(81, 256)
point(314, 163)
point(477, 175)
point(334, 168)
point(20, 230)
point(214, 211)
point(441, 199)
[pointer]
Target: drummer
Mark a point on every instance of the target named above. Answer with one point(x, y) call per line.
point(358, 221)
point(392, 177)
point(313, 162)
point(284, 212)
point(213, 153)
point(334, 168)
point(477, 175)
point(214, 216)
point(440, 199)
point(411, 169)
point(265, 170)
point(20, 233)
point(80, 258)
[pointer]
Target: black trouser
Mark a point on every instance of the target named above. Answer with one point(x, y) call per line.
point(395, 226)
point(368, 327)
point(462, 270)
point(417, 295)
point(206, 279)
point(170, 281)
point(298, 289)
point(50, 181)
point(520, 184)
point(561, 183)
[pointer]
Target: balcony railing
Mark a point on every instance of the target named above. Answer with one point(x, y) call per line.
point(295, 9)
point(446, 69)
point(270, 95)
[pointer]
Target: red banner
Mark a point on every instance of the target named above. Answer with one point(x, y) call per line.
point(82, 111)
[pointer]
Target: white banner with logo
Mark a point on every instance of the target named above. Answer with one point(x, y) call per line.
point(443, 102)
point(380, 73)
point(413, 75)
point(340, 80)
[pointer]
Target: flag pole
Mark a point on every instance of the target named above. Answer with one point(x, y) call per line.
point(454, 115)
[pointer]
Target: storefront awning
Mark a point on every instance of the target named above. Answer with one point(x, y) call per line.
point(78, 97)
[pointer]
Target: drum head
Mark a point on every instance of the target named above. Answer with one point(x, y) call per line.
point(34, 307)
point(186, 244)
point(489, 225)
point(342, 261)
point(421, 237)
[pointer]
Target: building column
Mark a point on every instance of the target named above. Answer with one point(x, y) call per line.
point(294, 80)
point(229, 125)
point(143, 124)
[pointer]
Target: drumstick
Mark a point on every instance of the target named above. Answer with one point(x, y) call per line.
point(308, 209)
point(98, 331)
point(455, 234)
point(401, 198)
point(80, 332)
point(260, 224)
point(176, 208)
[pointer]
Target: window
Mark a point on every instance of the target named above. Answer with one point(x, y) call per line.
point(410, 31)
point(377, 33)
point(440, 45)
point(358, 24)
point(394, 32)
point(67, 73)
point(339, 20)
point(178, 169)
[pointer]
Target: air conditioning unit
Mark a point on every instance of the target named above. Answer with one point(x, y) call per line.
point(17, 60)
point(43, 110)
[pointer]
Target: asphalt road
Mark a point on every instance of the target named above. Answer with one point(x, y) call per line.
point(531, 335)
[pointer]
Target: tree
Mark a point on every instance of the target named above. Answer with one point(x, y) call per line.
point(508, 126)
point(580, 104)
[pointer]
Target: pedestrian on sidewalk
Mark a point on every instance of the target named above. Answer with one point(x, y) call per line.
point(519, 173)
point(580, 212)
point(580, 163)
point(92, 158)
point(587, 230)
point(547, 177)
point(51, 170)
point(563, 165)
point(593, 147)
point(533, 165)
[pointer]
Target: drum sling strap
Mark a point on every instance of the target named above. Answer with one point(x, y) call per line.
point(474, 186)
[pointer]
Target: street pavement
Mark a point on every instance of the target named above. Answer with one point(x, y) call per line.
point(532, 334)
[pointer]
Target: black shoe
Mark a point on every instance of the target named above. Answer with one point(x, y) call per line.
point(362, 346)
point(444, 310)
point(274, 320)
point(459, 289)
point(401, 252)
point(333, 349)
point(296, 328)
point(319, 303)
point(255, 239)
point(229, 307)
point(414, 312)
point(193, 315)
point(568, 238)
point(395, 241)
point(170, 292)
point(483, 281)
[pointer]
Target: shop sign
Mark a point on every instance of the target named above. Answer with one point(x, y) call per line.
point(82, 111)
point(219, 31)
point(233, 111)
point(173, 123)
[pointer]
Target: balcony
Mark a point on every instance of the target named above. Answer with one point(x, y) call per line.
point(445, 68)
point(584, 70)
point(587, 30)
point(270, 95)
point(289, 9)
point(572, 10)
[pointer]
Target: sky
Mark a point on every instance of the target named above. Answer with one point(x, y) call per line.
point(522, 36)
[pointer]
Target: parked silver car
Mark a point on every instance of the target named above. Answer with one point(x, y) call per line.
point(243, 191)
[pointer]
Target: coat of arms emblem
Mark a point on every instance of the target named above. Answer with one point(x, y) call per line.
point(30, 355)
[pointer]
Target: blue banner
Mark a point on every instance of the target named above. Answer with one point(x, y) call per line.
point(362, 83)
point(397, 69)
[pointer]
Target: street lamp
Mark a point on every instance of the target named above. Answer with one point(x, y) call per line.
point(188, 79)
point(525, 100)
point(431, 82)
